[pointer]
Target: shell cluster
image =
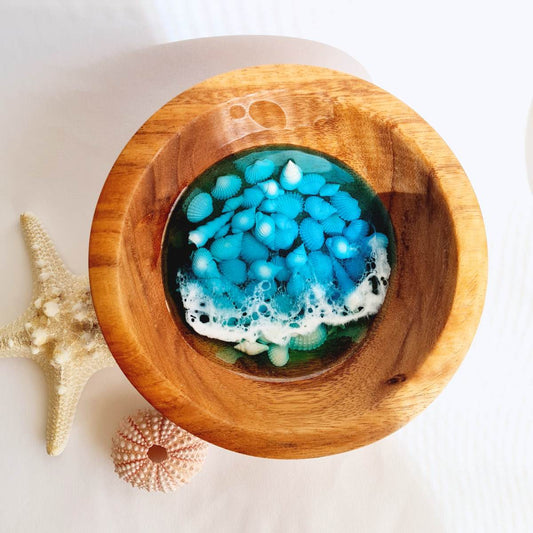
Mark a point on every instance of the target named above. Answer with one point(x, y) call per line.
point(63, 327)
point(277, 240)
point(152, 453)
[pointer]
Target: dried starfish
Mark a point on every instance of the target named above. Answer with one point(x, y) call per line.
point(59, 330)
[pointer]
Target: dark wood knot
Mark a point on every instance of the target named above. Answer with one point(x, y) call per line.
point(398, 378)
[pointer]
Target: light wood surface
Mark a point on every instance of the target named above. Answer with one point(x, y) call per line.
point(435, 296)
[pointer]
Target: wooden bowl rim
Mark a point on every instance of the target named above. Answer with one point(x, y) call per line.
point(104, 264)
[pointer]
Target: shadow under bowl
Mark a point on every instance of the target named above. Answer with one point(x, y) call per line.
point(435, 294)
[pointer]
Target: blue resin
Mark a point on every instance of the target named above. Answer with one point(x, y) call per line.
point(289, 260)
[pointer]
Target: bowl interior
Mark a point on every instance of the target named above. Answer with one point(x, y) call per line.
point(422, 285)
point(345, 335)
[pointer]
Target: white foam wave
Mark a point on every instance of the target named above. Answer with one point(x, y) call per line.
point(234, 316)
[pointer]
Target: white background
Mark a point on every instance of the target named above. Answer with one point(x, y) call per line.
point(79, 77)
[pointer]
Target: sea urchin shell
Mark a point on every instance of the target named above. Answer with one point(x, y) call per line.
point(152, 453)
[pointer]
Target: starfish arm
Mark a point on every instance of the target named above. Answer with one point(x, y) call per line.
point(14, 339)
point(49, 271)
point(65, 385)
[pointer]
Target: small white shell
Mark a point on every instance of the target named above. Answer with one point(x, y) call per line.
point(291, 175)
point(39, 337)
point(251, 348)
point(278, 355)
point(51, 308)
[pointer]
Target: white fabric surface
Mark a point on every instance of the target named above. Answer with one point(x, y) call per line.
point(79, 77)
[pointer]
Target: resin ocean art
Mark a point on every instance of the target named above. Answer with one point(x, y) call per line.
point(278, 251)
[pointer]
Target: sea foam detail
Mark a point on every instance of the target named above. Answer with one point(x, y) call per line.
point(294, 259)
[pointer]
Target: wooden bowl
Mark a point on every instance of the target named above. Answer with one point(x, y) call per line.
point(435, 295)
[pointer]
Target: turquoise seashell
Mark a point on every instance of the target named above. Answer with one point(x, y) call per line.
point(252, 197)
point(377, 240)
point(333, 225)
point(309, 341)
point(297, 258)
point(355, 267)
point(360, 248)
point(283, 274)
point(318, 208)
point(268, 206)
point(311, 183)
point(223, 231)
point(321, 267)
point(344, 282)
point(290, 204)
point(200, 207)
point(198, 237)
point(265, 229)
point(290, 176)
point(329, 189)
point(346, 206)
point(285, 238)
point(312, 234)
point(356, 230)
point(270, 189)
point(307, 272)
point(243, 220)
point(263, 270)
point(202, 234)
point(227, 247)
point(252, 250)
point(203, 264)
point(340, 247)
point(278, 355)
point(260, 170)
point(233, 270)
point(282, 221)
point(195, 192)
point(232, 204)
point(296, 285)
point(226, 187)
point(287, 231)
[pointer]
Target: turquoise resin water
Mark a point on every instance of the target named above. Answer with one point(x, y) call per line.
point(281, 253)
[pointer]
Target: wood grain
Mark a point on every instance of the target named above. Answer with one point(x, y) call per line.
point(435, 296)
